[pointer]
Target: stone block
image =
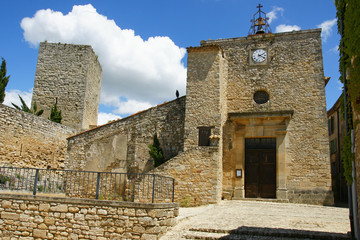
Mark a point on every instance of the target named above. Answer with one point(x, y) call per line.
point(138, 229)
point(10, 216)
point(147, 221)
point(6, 204)
point(74, 209)
point(49, 221)
point(62, 208)
point(38, 233)
point(148, 237)
point(129, 212)
point(42, 226)
point(96, 231)
point(102, 212)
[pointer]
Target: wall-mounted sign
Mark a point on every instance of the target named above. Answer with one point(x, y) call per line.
point(238, 173)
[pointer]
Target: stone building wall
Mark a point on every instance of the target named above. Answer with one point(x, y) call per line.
point(122, 145)
point(71, 75)
point(294, 79)
point(197, 174)
point(202, 93)
point(336, 127)
point(30, 141)
point(28, 217)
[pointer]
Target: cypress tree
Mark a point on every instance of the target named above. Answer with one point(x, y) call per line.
point(55, 114)
point(3, 80)
point(156, 152)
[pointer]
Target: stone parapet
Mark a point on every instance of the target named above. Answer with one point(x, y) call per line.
point(35, 217)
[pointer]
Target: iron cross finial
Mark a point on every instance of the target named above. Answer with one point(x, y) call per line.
point(259, 7)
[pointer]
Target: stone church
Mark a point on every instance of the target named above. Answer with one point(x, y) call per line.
point(253, 123)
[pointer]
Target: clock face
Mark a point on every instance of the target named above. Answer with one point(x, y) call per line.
point(259, 55)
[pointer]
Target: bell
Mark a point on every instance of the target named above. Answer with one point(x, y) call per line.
point(260, 30)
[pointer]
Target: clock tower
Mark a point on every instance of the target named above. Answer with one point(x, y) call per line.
point(261, 100)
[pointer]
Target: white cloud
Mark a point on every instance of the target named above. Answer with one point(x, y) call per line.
point(287, 28)
point(327, 28)
point(13, 97)
point(106, 117)
point(135, 71)
point(124, 106)
point(334, 49)
point(274, 13)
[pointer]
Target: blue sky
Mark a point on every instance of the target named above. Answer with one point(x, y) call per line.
point(141, 44)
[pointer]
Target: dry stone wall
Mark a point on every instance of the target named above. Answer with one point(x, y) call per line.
point(28, 217)
point(122, 145)
point(30, 141)
point(71, 75)
point(197, 174)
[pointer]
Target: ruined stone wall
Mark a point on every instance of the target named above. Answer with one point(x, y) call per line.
point(30, 141)
point(294, 79)
point(196, 174)
point(72, 75)
point(122, 145)
point(28, 217)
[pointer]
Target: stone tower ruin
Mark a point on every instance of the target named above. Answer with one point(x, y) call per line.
point(71, 76)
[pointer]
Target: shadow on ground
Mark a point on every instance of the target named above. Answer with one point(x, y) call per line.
point(282, 233)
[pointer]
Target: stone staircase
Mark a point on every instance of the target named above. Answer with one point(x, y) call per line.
point(251, 233)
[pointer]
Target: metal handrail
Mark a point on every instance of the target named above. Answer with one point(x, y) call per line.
point(130, 187)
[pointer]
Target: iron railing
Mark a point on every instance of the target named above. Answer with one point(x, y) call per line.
point(131, 187)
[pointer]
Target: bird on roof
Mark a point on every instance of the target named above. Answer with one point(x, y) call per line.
point(177, 94)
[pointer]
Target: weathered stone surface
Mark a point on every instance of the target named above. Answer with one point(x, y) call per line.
point(44, 207)
point(71, 76)
point(103, 220)
point(38, 233)
point(10, 215)
point(59, 208)
point(31, 141)
point(122, 145)
point(49, 221)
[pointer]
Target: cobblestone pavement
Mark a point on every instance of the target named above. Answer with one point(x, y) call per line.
point(232, 215)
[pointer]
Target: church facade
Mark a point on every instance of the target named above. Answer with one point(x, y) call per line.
point(253, 124)
point(268, 111)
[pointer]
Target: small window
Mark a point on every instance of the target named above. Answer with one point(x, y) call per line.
point(204, 136)
point(261, 97)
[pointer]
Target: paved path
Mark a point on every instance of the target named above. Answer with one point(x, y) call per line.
point(231, 215)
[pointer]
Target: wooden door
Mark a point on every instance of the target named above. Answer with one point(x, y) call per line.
point(260, 170)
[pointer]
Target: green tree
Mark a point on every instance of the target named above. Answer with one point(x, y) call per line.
point(55, 114)
point(3, 80)
point(348, 12)
point(25, 108)
point(156, 152)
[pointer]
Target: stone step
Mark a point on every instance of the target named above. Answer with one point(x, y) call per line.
point(252, 233)
point(223, 236)
point(263, 200)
